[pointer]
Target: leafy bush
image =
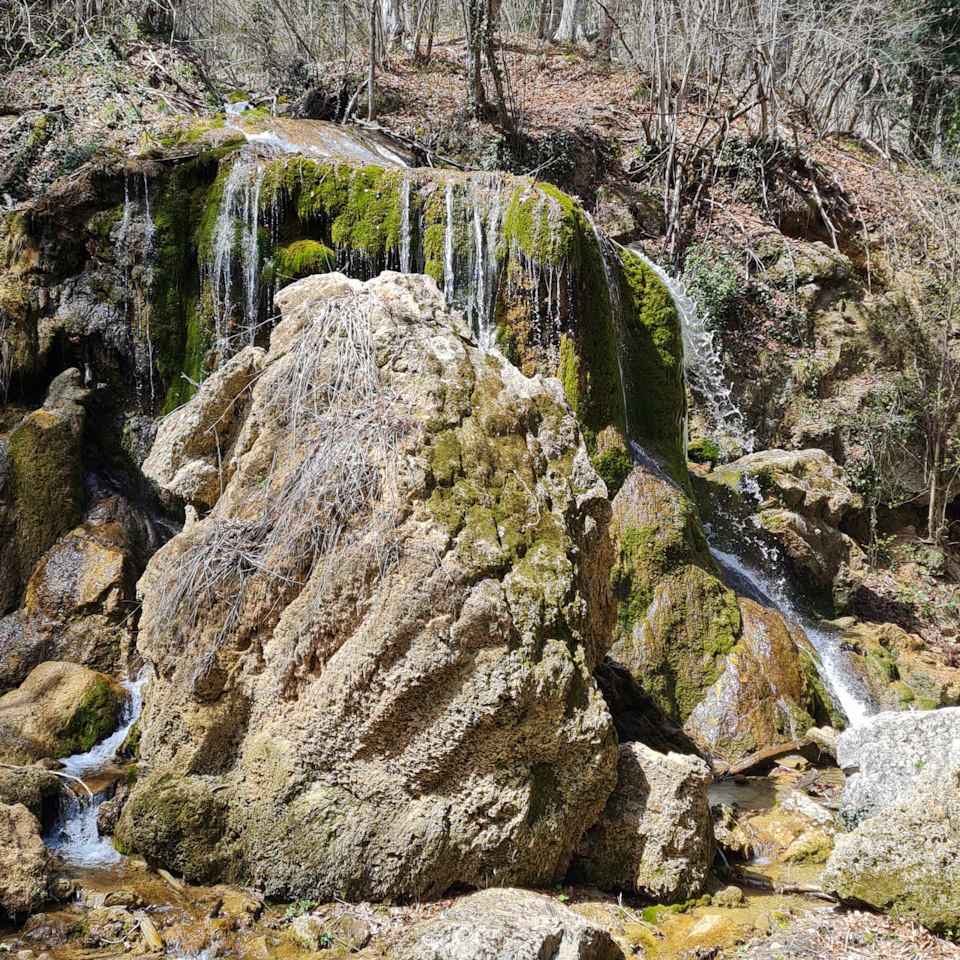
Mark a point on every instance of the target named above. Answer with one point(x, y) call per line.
point(712, 276)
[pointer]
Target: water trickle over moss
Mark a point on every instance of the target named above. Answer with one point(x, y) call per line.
point(94, 719)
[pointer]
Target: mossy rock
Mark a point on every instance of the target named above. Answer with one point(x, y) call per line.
point(299, 259)
point(176, 822)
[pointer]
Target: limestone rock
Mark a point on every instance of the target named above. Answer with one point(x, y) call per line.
point(406, 702)
point(60, 709)
point(796, 500)
point(763, 696)
point(656, 835)
point(37, 789)
point(888, 754)
point(24, 861)
point(905, 861)
point(677, 619)
point(198, 437)
point(76, 604)
point(507, 924)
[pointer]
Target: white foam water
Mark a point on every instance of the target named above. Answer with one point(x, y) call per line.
point(75, 837)
point(703, 368)
point(771, 592)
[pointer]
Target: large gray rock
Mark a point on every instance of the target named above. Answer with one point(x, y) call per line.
point(656, 834)
point(24, 861)
point(903, 791)
point(888, 754)
point(33, 786)
point(410, 704)
point(506, 924)
point(906, 860)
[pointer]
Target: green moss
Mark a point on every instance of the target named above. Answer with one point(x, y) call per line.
point(653, 364)
point(94, 719)
point(44, 454)
point(302, 258)
point(185, 215)
point(569, 373)
point(904, 693)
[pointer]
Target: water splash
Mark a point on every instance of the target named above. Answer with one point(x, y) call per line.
point(75, 837)
point(405, 253)
point(448, 275)
point(703, 369)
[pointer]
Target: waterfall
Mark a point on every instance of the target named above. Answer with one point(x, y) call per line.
point(448, 277)
point(75, 837)
point(703, 368)
point(770, 592)
point(236, 235)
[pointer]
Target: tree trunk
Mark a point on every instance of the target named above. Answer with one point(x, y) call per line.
point(607, 25)
point(372, 72)
point(391, 21)
point(571, 22)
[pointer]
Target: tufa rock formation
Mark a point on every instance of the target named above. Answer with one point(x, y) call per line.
point(374, 653)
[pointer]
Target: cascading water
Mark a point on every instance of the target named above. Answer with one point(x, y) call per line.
point(75, 838)
point(236, 229)
point(703, 368)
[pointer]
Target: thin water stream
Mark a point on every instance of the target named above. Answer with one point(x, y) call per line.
point(75, 838)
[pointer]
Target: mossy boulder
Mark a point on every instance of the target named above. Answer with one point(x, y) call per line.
point(676, 619)
point(177, 823)
point(41, 481)
point(60, 709)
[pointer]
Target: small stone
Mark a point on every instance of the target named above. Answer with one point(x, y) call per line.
point(729, 897)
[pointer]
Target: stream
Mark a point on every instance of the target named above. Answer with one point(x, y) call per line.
point(74, 837)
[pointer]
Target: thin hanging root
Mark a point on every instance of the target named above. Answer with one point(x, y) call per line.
point(331, 492)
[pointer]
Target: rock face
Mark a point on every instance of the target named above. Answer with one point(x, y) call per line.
point(505, 924)
point(656, 834)
point(60, 709)
point(763, 696)
point(24, 861)
point(904, 856)
point(387, 687)
point(41, 482)
point(796, 500)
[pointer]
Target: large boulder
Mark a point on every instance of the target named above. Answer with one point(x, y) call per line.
point(791, 501)
point(903, 792)
point(41, 482)
point(887, 755)
point(507, 924)
point(78, 600)
point(24, 861)
point(764, 695)
point(656, 834)
point(60, 709)
point(677, 621)
point(374, 654)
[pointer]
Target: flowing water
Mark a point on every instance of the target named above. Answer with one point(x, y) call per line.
point(75, 838)
point(703, 369)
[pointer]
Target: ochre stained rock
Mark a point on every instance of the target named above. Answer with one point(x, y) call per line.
point(60, 709)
